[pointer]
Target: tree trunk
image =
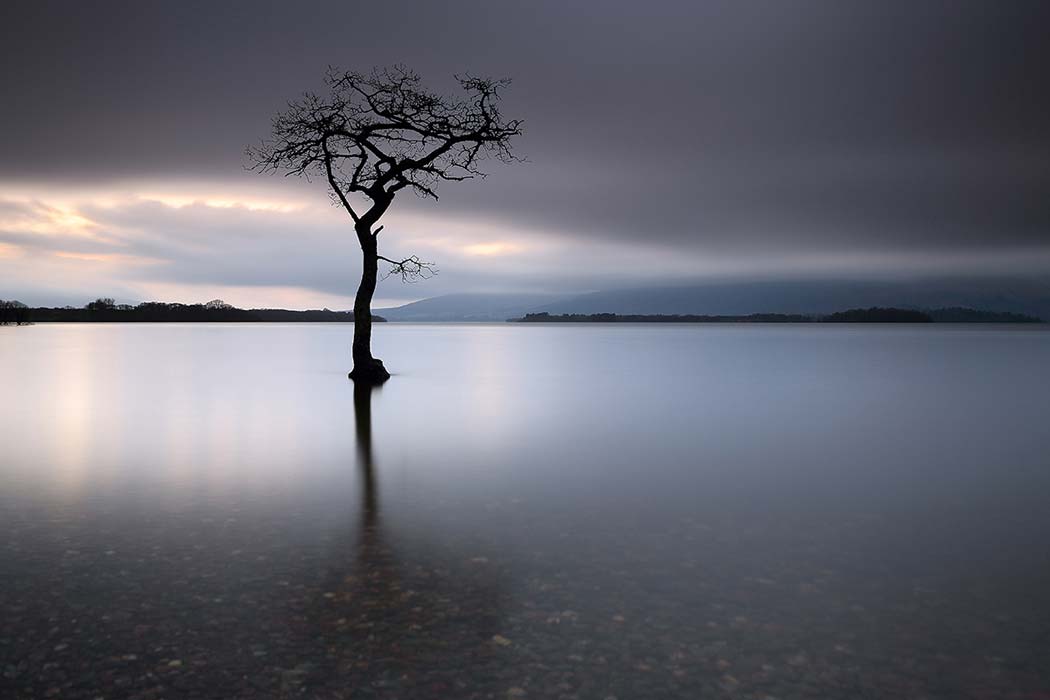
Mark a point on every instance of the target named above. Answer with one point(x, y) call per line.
point(367, 369)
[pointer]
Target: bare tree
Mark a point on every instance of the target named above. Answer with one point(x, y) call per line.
point(372, 136)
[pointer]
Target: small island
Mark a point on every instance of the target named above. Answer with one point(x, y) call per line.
point(873, 314)
point(877, 315)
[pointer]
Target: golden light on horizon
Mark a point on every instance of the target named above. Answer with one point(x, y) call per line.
point(492, 249)
point(179, 201)
point(67, 219)
point(62, 207)
point(112, 258)
point(41, 218)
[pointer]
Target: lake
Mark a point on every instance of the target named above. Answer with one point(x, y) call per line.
point(548, 511)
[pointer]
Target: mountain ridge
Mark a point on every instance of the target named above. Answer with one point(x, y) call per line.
point(736, 299)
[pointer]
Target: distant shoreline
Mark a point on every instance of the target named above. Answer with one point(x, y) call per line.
point(869, 315)
point(155, 312)
point(12, 313)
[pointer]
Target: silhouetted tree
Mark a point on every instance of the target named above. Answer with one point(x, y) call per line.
point(13, 312)
point(372, 136)
point(101, 304)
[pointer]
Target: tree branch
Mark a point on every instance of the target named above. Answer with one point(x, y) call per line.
point(381, 133)
point(411, 269)
point(334, 184)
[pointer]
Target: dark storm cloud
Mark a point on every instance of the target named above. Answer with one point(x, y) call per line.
point(721, 125)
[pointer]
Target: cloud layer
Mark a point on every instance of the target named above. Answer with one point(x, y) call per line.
point(674, 140)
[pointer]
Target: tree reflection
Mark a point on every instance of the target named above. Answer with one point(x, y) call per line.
point(405, 618)
point(366, 463)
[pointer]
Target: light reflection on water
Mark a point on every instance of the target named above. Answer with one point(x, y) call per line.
point(569, 510)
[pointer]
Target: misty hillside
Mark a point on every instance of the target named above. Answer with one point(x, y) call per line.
point(467, 307)
point(794, 297)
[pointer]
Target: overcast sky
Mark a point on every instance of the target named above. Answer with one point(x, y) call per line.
point(667, 142)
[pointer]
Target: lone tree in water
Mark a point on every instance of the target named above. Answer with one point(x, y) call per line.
point(372, 136)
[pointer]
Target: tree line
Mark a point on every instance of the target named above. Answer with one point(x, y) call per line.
point(13, 313)
point(105, 309)
point(873, 314)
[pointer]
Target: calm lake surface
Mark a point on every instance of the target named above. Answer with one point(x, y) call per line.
point(562, 511)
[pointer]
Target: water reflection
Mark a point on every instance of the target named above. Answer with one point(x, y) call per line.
point(366, 460)
point(402, 619)
point(767, 511)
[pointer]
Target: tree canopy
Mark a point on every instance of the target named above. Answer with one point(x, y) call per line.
point(377, 134)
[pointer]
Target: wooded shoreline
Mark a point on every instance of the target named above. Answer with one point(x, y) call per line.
point(869, 315)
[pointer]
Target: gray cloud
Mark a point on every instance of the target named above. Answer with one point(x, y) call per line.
point(728, 128)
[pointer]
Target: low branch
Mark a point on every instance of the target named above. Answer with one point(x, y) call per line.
point(411, 269)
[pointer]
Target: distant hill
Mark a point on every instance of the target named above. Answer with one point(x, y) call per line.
point(809, 297)
point(467, 307)
point(805, 297)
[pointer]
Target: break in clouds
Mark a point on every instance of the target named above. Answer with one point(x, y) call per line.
point(674, 142)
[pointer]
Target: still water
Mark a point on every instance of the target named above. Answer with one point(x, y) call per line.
point(212, 511)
